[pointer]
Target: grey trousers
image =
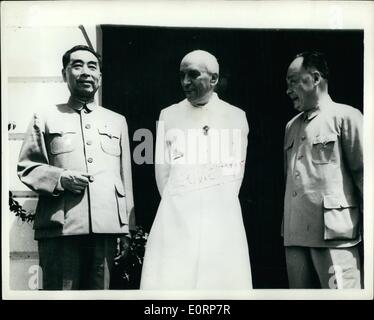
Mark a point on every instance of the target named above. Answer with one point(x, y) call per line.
point(327, 268)
point(77, 262)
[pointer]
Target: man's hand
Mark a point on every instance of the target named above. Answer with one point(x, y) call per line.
point(124, 249)
point(74, 181)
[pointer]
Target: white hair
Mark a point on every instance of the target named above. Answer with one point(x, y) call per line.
point(204, 57)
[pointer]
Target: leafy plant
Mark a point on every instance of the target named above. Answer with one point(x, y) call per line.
point(126, 275)
point(15, 207)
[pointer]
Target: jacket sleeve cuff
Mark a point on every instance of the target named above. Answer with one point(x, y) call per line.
point(58, 187)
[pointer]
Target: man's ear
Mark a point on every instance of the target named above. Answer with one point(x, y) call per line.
point(316, 77)
point(214, 79)
point(63, 72)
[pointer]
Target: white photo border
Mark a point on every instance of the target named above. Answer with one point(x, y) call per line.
point(323, 15)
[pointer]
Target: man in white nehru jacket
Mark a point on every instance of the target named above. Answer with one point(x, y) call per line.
point(198, 239)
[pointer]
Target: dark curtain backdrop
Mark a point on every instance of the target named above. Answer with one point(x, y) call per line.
point(141, 77)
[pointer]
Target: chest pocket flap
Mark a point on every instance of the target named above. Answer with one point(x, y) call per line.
point(110, 140)
point(61, 138)
point(324, 139)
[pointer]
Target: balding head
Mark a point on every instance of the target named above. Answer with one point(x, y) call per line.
point(204, 59)
point(199, 72)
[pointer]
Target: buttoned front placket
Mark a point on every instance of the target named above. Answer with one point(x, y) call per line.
point(200, 118)
point(301, 174)
point(296, 175)
point(299, 166)
point(298, 157)
point(301, 155)
point(88, 139)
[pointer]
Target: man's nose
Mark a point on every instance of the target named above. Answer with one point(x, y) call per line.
point(185, 80)
point(86, 70)
point(288, 91)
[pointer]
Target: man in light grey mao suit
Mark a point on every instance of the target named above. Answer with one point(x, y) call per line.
point(324, 182)
point(76, 156)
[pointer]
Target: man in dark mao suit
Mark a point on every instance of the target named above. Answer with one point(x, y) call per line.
point(76, 156)
point(324, 183)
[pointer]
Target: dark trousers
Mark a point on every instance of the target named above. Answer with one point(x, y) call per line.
point(327, 268)
point(77, 262)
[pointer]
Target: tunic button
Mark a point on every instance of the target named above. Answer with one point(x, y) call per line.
point(88, 126)
point(297, 174)
point(303, 138)
point(294, 194)
point(90, 160)
point(91, 179)
point(85, 111)
point(89, 142)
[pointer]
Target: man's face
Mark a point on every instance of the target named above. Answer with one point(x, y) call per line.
point(300, 86)
point(82, 74)
point(196, 81)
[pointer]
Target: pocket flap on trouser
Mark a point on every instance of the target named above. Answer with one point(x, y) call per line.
point(325, 139)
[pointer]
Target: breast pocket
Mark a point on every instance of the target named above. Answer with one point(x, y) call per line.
point(61, 141)
point(110, 141)
point(323, 149)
